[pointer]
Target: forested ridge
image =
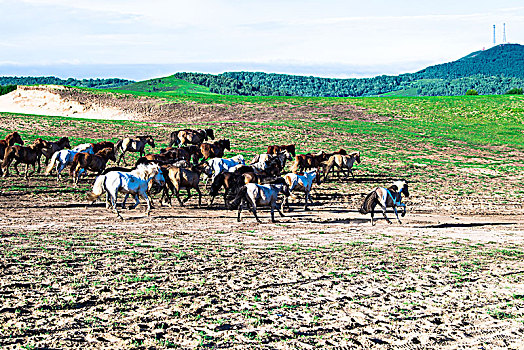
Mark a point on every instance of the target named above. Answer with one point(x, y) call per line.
point(50, 80)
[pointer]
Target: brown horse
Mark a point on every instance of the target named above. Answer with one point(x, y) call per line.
point(308, 161)
point(101, 145)
point(93, 162)
point(21, 154)
point(180, 178)
point(9, 140)
point(230, 182)
point(343, 163)
point(190, 136)
point(215, 149)
point(281, 148)
point(50, 147)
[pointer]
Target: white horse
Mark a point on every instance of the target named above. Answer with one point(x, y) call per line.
point(221, 165)
point(63, 158)
point(259, 195)
point(386, 197)
point(302, 183)
point(134, 183)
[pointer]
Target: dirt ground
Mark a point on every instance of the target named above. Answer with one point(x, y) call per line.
point(74, 276)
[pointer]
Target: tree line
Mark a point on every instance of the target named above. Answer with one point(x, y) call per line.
point(88, 83)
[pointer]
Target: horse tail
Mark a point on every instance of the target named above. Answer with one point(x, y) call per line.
point(242, 193)
point(75, 163)
point(328, 167)
point(98, 188)
point(51, 164)
point(367, 205)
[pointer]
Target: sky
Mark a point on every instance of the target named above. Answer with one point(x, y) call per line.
point(332, 38)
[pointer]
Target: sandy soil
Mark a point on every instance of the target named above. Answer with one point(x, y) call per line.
point(46, 100)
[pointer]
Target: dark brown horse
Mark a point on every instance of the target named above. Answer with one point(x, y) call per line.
point(281, 148)
point(190, 136)
point(9, 140)
point(230, 182)
point(21, 154)
point(183, 178)
point(101, 145)
point(215, 149)
point(93, 162)
point(50, 147)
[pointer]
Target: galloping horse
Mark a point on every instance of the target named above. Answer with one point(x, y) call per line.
point(179, 178)
point(342, 162)
point(190, 136)
point(135, 182)
point(301, 183)
point(386, 197)
point(94, 162)
point(219, 165)
point(259, 195)
point(9, 140)
point(230, 182)
point(63, 158)
point(21, 154)
point(132, 145)
point(51, 147)
point(281, 156)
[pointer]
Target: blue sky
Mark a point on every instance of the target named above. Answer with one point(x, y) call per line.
point(324, 38)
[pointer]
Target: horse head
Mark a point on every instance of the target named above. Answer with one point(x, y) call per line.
point(39, 144)
point(16, 138)
point(210, 134)
point(401, 186)
point(150, 141)
point(64, 142)
point(357, 156)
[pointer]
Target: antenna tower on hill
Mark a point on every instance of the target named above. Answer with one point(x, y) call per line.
point(504, 35)
point(494, 39)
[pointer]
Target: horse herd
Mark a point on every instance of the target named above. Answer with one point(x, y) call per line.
point(193, 158)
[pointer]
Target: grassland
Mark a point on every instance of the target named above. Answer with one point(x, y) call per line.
point(450, 277)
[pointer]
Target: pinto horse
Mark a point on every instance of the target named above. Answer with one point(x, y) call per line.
point(135, 182)
point(21, 154)
point(281, 148)
point(302, 183)
point(50, 147)
point(9, 140)
point(133, 145)
point(259, 195)
point(386, 197)
point(94, 162)
point(190, 136)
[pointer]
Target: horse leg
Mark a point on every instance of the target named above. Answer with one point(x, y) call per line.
point(188, 195)
point(15, 165)
point(396, 213)
point(113, 203)
point(177, 194)
point(137, 202)
point(278, 208)
point(240, 208)
point(254, 207)
point(199, 197)
point(404, 211)
point(383, 207)
point(120, 158)
point(124, 201)
point(306, 196)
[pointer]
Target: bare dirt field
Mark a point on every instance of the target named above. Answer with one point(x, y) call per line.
point(74, 276)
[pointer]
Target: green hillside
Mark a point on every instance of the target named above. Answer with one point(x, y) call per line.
point(166, 85)
point(507, 60)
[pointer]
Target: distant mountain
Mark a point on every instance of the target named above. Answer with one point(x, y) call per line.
point(502, 60)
